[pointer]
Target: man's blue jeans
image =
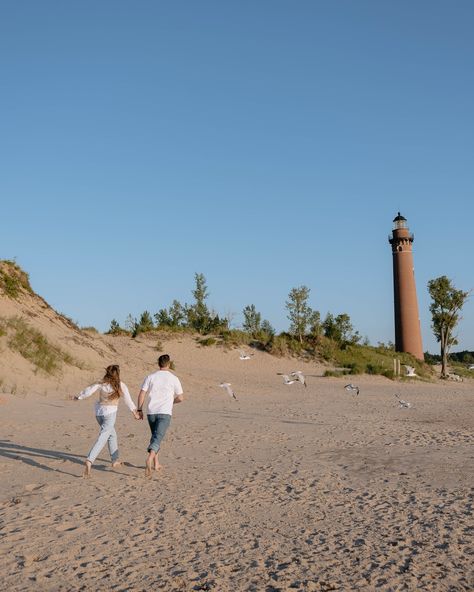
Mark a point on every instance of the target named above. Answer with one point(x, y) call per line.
point(159, 423)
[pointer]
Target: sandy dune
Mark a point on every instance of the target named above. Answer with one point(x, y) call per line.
point(286, 489)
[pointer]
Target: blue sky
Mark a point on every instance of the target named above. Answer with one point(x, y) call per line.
point(265, 144)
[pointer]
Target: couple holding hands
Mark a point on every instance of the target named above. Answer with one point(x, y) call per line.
point(163, 390)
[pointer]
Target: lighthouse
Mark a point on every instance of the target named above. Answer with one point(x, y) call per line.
point(407, 321)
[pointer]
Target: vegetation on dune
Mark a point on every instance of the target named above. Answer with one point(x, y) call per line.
point(332, 340)
point(13, 279)
point(34, 346)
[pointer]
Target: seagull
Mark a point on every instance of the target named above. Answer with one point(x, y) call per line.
point(229, 391)
point(352, 387)
point(409, 370)
point(300, 377)
point(245, 355)
point(286, 379)
point(403, 404)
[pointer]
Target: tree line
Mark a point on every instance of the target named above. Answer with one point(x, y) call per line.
point(306, 329)
point(304, 322)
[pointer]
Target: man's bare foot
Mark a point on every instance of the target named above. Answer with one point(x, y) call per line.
point(87, 470)
point(117, 463)
point(157, 465)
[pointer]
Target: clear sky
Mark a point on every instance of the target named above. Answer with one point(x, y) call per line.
point(266, 144)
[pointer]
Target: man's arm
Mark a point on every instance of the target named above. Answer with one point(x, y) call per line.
point(141, 400)
point(178, 399)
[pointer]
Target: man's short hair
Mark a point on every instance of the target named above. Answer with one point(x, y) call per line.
point(164, 360)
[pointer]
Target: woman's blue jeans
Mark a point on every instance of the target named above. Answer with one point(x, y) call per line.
point(159, 423)
point(107, 434)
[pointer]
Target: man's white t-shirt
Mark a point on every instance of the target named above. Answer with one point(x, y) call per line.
point(162, 387)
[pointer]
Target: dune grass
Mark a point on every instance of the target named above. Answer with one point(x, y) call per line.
point(13, 279)
point(366, 359)
point(32, 345)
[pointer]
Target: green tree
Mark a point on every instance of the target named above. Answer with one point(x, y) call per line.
point(446, 305)
point(340, 329)
point(144, 324)
point(162, 318)
point(300, 314)
point(315, 326)
point(176, 313)
point(267, 328)
point(252, 320)
point(115, 328)
point(172, 316)
point(198, 315)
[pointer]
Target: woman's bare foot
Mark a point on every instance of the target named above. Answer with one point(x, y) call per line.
point(117, 463)
point(87, 470)
point(148, 468)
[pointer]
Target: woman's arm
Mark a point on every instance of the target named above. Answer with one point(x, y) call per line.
point(87, 392)
point(128, 399)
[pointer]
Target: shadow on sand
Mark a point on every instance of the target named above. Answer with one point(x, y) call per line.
point(32, 457)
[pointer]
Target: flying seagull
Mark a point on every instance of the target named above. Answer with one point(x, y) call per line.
point(245, 355)
point(300, 377)
point(229, 391)
point(286, 379)
point(403, 404)
point(352, 387)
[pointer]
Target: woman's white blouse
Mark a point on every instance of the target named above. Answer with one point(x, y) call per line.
point(104, 390)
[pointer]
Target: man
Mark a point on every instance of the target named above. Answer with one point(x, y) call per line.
point(164, 390)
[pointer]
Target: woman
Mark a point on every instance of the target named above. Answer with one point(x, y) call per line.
point(109, 389)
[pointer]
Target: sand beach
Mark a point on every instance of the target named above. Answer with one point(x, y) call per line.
point(288, 488)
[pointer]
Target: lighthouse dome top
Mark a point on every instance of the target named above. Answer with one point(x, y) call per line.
point(400, 221)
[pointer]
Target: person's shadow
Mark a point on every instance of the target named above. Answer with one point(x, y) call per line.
point(29, 456)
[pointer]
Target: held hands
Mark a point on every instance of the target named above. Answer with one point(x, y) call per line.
point(138, 414)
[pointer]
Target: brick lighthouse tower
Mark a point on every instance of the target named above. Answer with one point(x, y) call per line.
point(407, 322)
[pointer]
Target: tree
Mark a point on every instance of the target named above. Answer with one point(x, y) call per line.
point(144, 324)
point(162, 318)
point(176, 313)
point(171, 317)
point(267, 329)
point(252, 320)
point(446, 305)
point(315, 327)
point(115, 328)
point(130, 323)
point(300, 313)
point(340, 329)
point(198, 315)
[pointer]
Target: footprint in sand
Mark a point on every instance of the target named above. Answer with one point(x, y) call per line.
point(33, 487)
point(66, 528)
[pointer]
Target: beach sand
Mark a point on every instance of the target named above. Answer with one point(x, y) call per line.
point(285, 489)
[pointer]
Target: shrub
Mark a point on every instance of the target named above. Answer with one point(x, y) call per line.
point(207, 341)
point(116, 329)
point(235, 337)
point(334, 373)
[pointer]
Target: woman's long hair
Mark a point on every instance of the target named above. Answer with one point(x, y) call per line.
point(112, 377)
